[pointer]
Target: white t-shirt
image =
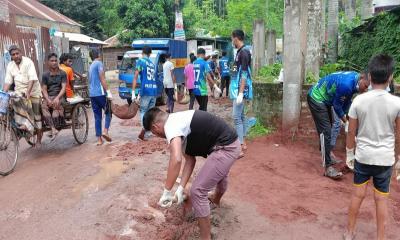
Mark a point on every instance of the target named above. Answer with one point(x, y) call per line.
point(178, 125)
point(167, 68)
point(376, 111)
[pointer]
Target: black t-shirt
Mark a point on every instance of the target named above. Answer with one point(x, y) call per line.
point(200, 131)
point(208, 131)
point(243, 59)
point(54, 82)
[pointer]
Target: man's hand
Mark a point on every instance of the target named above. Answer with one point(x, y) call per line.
point(397, 170)
point(179, 195)
point(28, 95)
point(109, 95)
point(166, 199)
point(217, 91)
point(56, 102)
point(350, 158)
point(239, 98)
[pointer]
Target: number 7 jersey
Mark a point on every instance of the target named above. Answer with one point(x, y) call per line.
point(148, 84)
point(201, 69)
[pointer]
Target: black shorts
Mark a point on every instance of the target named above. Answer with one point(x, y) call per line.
point(380, 175)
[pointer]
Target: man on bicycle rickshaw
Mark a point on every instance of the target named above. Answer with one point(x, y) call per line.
point(53, 89)
point(21, 75)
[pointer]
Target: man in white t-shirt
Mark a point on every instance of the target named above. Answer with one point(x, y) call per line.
point(189, 134)
point(375, 120)
point(169, 82)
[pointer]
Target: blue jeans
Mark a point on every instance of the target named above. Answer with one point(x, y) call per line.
point(98, 105)
point(336, 126)
point(240, 121)
point(170, 102)
point(146, 103)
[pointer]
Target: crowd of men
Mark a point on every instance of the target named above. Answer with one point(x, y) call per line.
point(373, 120)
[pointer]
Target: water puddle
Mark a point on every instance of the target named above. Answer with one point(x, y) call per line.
point(108, 171)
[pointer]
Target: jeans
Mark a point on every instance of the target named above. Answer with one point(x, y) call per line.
point(98, 105)
point(203, 102)
point(170, 101)
point(146, 103)
point(192, 98)
point(240, 121)
point(225, 84)
point(336, 126)
point(322, 115)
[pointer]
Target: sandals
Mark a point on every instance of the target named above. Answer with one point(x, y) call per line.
point(332, 173)
point(106, 137)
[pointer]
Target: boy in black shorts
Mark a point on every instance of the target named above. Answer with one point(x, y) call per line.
point(376, 117)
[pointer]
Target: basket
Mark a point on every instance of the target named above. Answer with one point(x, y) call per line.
point(4, 97)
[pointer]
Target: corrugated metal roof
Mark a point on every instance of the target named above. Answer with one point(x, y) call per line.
point(34, 8)
point(78, 37)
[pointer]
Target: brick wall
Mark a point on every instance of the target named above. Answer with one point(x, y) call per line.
point(110, 56)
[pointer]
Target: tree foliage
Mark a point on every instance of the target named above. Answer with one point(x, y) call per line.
point(380, 35)
point(202, 16)
point(148, 18)
point(85, 12)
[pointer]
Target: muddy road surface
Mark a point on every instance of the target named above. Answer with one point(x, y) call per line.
point(70, 191)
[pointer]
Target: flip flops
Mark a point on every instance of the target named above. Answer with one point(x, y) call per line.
point(106, 137)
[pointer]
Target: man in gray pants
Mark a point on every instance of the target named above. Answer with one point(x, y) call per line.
point(188, 135)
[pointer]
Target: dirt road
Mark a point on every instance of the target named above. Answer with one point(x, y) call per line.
point(69, 191)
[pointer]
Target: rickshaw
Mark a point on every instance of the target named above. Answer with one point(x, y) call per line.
point(75, 115)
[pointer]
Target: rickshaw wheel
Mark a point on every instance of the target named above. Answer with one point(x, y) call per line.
point(80, 123)
point(8, 150)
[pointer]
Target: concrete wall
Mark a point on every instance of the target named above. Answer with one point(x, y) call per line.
point(35, 22)
point(267, 106)
point(4, 11)
point(110, 56)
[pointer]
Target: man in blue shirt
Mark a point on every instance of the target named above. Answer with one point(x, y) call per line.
point(335, 90)
point(99, 92)
point(145, 69)
point(223, 69)
point(202, 73)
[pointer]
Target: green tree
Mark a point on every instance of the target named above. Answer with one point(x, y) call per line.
point(239, 14)
point(148, 18)
point(85, 12)
point(113, 12)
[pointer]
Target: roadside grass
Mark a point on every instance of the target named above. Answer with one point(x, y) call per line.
point(259, 130)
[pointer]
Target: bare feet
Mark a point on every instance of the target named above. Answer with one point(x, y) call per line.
point(141, 135)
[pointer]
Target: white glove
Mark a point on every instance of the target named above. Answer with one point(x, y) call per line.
point(109, 95)
point(397, 170)
point(179, 195)
point(217, 91)
point(166, 199)
point(239, 98)
point(346, 126)
point(133, 97)
point(350, 158)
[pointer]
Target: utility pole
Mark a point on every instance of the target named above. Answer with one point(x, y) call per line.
point(295, 31)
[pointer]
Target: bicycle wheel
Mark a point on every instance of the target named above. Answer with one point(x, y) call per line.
point(80, 123)
point(8, 150)
point(31, 140)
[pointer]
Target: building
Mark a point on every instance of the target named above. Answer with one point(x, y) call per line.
point(385, 5)
point(113, 52)
point(32, 13)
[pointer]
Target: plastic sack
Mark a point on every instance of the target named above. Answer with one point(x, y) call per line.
point(186, 97)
